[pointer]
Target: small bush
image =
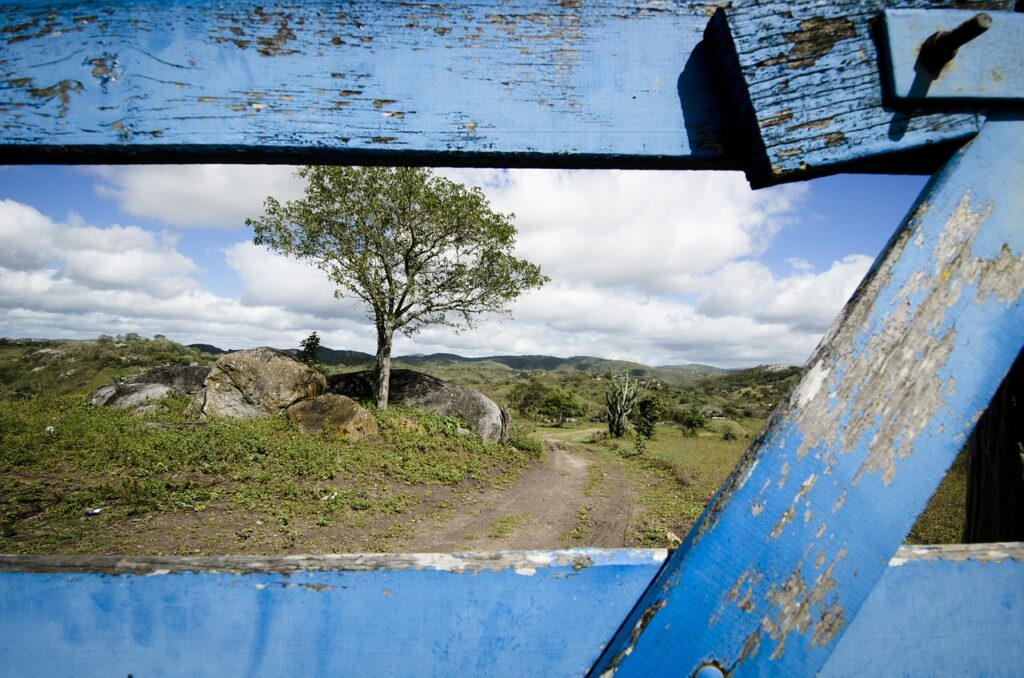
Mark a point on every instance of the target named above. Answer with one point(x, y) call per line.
point(521, 440)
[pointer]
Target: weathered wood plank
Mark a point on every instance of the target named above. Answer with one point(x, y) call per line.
point(987, 70)
point(940, 611)
point(603, 83)
point(511, 614)
point(803, 94)
point(792, 544)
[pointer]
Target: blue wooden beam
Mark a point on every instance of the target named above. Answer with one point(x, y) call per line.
point(802, 91)
point(939, 611)
point(612, 83)
point(988, 70)
point(791, 546)
point(541, 613)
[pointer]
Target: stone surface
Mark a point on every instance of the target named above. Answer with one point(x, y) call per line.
point(256, 382)
point(332, 413)
point(415, 389)
point(136, 397)
point(182, 378)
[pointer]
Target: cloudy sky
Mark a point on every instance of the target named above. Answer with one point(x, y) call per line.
point(658, 267)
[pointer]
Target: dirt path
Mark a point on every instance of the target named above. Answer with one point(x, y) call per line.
point(569, 499)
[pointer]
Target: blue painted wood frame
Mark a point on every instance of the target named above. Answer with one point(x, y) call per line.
point(988, 70)
point(597, 83)
point(795, 540)
point(539, 613)
point(786, 557)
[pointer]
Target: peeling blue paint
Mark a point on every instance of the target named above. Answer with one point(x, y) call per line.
point(882, 436)
point(552, 617)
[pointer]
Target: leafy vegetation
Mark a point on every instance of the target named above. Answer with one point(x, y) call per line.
point(31, 367)
point(165, 485)
point(310, 351)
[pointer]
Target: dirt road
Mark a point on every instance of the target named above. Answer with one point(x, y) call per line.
point(569, 499)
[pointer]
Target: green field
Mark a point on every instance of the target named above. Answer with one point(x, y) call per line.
point(684, 471)
point(167, 485)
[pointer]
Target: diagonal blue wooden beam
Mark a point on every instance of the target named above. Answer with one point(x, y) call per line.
point(613, 83)
point(793, 543)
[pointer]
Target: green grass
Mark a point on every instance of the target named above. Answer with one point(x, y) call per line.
point(942, 521)
point(273, 487)
point(506, 525)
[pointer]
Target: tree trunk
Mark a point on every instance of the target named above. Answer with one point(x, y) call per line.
point(995, 465)
point(506, 424)
point(384, 336)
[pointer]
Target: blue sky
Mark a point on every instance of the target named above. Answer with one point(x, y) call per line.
point(660, 267)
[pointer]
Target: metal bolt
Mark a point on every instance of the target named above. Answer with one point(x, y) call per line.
point(709, 671)
point(941, 46)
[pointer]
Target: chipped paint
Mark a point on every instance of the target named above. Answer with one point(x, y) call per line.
point(456, 563)
point(982, 553)
point(470, 79)
point(796, 607)
point(874, 416)
point(457, 614)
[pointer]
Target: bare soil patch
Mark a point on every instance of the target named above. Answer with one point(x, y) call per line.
point(570, 498)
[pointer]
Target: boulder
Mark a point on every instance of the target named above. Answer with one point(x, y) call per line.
point(141, 392)
point(415, 389)
point(182, 378)
point(255, 383)
point(333, 413)
point(139, 398)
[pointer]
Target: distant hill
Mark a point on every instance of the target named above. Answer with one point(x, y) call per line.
point(672, 374)
point(209, 348)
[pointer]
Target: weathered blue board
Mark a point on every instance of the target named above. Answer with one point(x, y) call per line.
point(611, 82)
point(789, 571)
point(988, 70)
point(536, 613)
point(795, 540)
point(940, 611)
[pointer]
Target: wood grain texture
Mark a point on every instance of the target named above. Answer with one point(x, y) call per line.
point(791, 546)
point(803, 95)
point(615, 83)
point(537, 613)
point(939, 611)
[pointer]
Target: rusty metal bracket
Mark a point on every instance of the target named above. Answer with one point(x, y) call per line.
point(934, 58)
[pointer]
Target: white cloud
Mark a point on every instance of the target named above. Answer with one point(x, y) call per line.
point(652, 230)
point(26, 237)
point(804, 301)
point(207, 196)
point(271, 279)
point(659, 267)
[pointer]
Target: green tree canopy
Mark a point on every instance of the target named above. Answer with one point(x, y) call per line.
point(560, 404)
point(418, 249)
point(527, 398)
point(310, 353)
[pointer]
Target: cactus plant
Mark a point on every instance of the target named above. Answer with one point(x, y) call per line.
point(620, 397)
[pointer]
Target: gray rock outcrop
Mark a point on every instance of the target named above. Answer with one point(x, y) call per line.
point(332, 413)
point(139, 398)
point(142, 392)
point(182, 378)
point(415, 389)
point(256, 382)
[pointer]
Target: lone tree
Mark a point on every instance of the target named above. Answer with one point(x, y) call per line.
point(310, 353)
point(418, 249)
